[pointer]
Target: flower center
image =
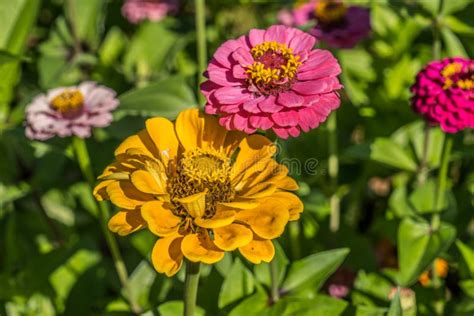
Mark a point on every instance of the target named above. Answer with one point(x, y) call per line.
point(455, 75)
point(199, 171)
point(274, 68)
point(330, 11)
point(68, 102)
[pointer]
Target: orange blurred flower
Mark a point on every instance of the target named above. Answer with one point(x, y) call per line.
point(202, 189)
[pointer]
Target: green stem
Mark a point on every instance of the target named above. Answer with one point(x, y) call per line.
point(423, 167)
point(191, 287)
point(333, 166)
point(83, 159)
point(294, 230)
point(200, 7)
point(275, 293)
point(443, 173)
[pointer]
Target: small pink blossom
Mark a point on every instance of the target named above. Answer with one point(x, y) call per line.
point(444, 94)
point(338, 25)
point(153, 10)
point(272, 79)
point(68, 111)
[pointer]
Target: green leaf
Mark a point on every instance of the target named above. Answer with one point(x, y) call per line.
point(468, 287)
point(390, 153)
point(453, 43)
point(423, 200)
point(86, 17)
point(313, 270)
point(140, 282)
point(7, 57)
point(468, 255)
point(238, 284)
point(398, 202)
point(320, 305)
point(373, 284)
point(174, 308)
point(419, 245)
point(370, 311)
point(262, 271)
point(453, 6)
point(458, 26)
point(112, 46)
point(164, 98)
point(395, 307)
point(254, 305)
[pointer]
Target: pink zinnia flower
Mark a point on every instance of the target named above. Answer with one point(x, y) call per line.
point(153, 10)
point(70, 111)
point(272, 79)
point(444, 94)
point(338, 25)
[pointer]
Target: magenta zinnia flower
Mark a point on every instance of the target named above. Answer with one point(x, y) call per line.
point(444, 94)
point(338, 25)
point(153, 10)
point(70, 111)
point(272, 79)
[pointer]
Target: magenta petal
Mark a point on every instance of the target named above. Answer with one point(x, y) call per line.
point(261, 122)
point(231, 95)
point(311, 87)
point(302, 42)
point(276, 33)
point(290, 99)
point(281, 132)
point(223, 53)
point(256, 37)
point(243, 57)
point(287, 118)
point(268, 105)
point(252, 105)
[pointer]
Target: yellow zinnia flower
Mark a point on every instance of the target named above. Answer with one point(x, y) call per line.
point(202, 189)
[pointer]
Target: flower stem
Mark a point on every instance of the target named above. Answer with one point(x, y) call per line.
point(191, 287)
point(275, 293)
point(333, 166)
point(423, 167)
point(443, 173)
point(83, 159)
point(200, 7)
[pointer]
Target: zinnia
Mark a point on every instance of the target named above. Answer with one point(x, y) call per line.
point(70, 111)
point(272, 79)
point(201, 189)
point(444, 94)
point(338, 25)
point(153, 10)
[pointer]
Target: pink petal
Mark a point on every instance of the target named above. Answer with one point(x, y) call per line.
point(268, 105)
point(290, 99)
point(261, 122)
point(287, 118)
point(311, 87)
point(281, 132)
point(224, 52)
point(243, 57)
point(231, 95)
point(276, 33)
point(252, 105)
point(256, 37)
point(302, 42)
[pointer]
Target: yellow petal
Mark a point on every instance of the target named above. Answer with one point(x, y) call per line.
point(100, 190)
point(195, 204)
point(224, 216)
point(287, 183)
point(167, 256)
point(295, 206)
point(126, 222)
point(125, 195)
point(232, 141)
point(258, 250)
point(200, 248)
point(145, 182)
point(196, 129)
point(161, 220)
point(189, 128)
point(231, 237)
point(162, 133)
point(241, 204)
point(141, 141)
point(253, 150)
point(258, 191)
point(267, 220)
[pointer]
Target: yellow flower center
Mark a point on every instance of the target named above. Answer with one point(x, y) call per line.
point(330, 11)
point(274, 67)
point(455, 76)
point(201, 170)
point(68, 102)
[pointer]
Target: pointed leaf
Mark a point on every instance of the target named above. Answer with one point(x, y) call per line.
point(395, 306)
point(238, 283)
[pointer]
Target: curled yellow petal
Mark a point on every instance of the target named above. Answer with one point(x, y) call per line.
point(100, 190)
point(163, 135)
point(141, 141)
point(295, 206)
point(268, 220)
point(258, 250)
point(224, 216)
point(167, 256)
point(145, 182)
point(195, 204)
point(231, 237)
point(200, 248)
point(161, 221)
point(125, 195)
point(126, 222)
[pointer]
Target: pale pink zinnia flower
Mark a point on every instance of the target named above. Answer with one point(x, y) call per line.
point(444, 94)
point(272, 79)
point(153, 10)
point(337, 24)
point(70, 111)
